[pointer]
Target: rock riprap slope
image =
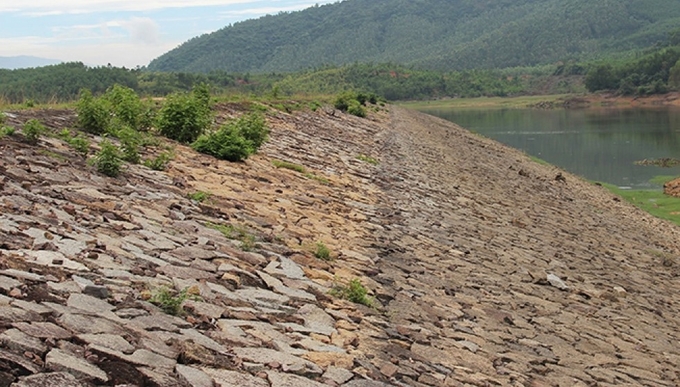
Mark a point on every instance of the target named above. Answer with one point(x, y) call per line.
point(483, 268)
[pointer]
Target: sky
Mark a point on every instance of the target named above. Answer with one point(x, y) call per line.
point(126, 33)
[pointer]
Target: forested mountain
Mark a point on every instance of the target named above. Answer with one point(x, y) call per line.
point(431, 34)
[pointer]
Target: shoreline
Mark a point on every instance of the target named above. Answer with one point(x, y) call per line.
point(556, 101)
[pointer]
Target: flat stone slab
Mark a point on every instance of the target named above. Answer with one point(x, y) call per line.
point(278, 379)
point(50, 379)
point(194, 377)
point(19, 341)
point(58, 360)
point(114, 342)
point(225, 378)
point(266, 355)
point(89, 303)
point(278, 286)
point(7, 283)
point(43, 330)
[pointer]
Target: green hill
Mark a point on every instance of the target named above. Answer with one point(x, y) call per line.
point(432, 34)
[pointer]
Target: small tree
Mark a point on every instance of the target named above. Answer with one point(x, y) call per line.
point(93, 113)
point(108, 160)
point(184, 117)
point(125, 104)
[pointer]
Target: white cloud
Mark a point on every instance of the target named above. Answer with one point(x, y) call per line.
point(143, 30)
point(51, 7)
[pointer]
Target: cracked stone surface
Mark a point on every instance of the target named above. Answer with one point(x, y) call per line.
point(476, 274)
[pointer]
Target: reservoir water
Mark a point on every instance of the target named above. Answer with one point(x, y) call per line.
point(598, 144)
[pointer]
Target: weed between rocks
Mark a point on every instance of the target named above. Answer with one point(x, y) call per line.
point(354, 292)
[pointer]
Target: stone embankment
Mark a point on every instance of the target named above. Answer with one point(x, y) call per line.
point(484, 268)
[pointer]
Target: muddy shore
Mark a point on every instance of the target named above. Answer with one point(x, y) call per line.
point(483, 267)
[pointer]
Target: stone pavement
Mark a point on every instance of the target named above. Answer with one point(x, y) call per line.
point(482, 268)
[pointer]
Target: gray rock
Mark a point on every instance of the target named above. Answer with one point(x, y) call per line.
point(366, 383)
point(278, 379)
point(17, 340)
point(280, 288)
point(185, 272)
point(88, 303)
point(58, 360)
point(261, 295)
point(19, 274)
point(88, 324)
point(317, 319)
point(200, 339)
point(141, 357)
point(53, 259)
point(114, 342)
point(43, 330)
point(18, 363)
point(193, 376)
point(32, 307)
point(225, 378)
point(317, 346)
point(90, 288)
point(338, 375)
point(7, 283)
point(469, 345)
point(266, 355)
point(557, 282)
point(285, 267)
point(204, 309)
point(50, 379)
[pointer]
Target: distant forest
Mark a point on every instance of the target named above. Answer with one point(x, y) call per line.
point(655, 70)
point(441, 35)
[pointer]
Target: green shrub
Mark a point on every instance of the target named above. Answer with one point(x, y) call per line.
point(254, 128)
point(343, 100)
point(354, 292)
point(226, 143)
point(130, 140)
point(32, 130)
point(160, 162)
point(94, 114)
point(125, 105)
point(171, 302)
point(108, 160)
point(235, 140)
point(356, 109)
point(184, 117)
point(6, 131)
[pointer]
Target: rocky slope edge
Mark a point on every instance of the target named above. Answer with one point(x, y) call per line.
point(483, 267)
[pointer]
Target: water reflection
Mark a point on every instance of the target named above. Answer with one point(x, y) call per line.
point(599, 144)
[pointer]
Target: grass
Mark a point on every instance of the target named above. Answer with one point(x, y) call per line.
point(662, 179)
point(322, 251)
point(354, 292)
point(239, 233)
point(368, 159)
point(52, 155)
point(199, 196)
point(320, 179)
point(288, 165)
point(654, 202)
point(539, 160)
